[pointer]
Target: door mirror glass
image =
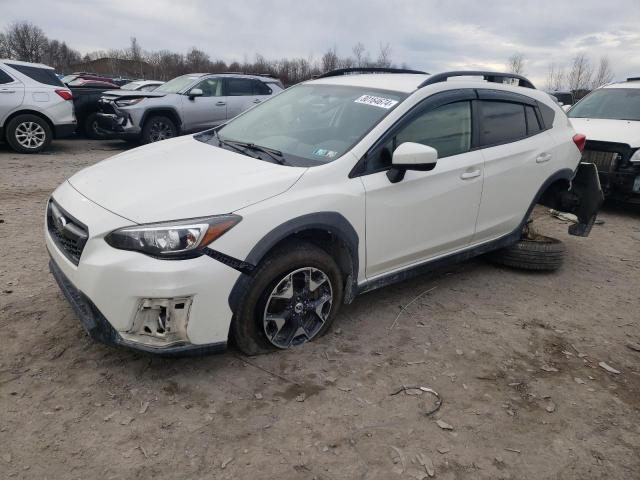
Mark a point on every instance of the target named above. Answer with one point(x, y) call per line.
point(195, 92)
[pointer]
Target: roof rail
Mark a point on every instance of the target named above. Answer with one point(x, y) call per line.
point(348, 71)
point(495, 77)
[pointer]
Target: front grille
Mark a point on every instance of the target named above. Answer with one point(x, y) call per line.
point(604, 161)
point(69, 235)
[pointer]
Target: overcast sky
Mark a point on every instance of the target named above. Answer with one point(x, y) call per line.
point(433, 35)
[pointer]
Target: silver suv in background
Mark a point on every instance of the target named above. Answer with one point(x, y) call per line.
point(35, 106)
point(186, 104)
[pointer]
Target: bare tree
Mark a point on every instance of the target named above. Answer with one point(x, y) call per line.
point(516, 64)
point(555, 78)
point(604, 74)
point(4, 48)
point(579, 77)
point(359, 54)
point(25, 41)
point(330, 60)
point(384, 56)
point(197, 61)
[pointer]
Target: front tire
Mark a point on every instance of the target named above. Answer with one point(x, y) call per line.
point(157, 128)
point(28, 134)
point(293, 298)
point(91, 128)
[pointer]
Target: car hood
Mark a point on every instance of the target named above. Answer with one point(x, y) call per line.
point(605, 130)
point(181, 178)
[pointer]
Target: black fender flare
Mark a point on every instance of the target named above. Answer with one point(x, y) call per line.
point(159, 111)
point(332, 222)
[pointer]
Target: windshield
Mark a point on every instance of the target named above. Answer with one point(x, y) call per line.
point(312, 124)
point(610, 103)
point(177, 84)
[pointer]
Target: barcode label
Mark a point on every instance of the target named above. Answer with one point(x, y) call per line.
point(381, 102)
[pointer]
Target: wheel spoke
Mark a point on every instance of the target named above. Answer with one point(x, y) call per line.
point(284, 289)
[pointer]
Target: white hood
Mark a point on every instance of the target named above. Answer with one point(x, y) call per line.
point(181, 178)
point(605, 130)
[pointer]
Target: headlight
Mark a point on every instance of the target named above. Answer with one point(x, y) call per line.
point(173, 240)
point(128, 102)
point(636, 156)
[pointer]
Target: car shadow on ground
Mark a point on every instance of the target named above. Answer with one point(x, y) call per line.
point(68, 146)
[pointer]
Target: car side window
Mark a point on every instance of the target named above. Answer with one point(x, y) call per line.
point(446, 128)
point(501, 122)
point(533, 124)
point(211, 87)
point(5, 78)
point(261, 88)
point(237, 87)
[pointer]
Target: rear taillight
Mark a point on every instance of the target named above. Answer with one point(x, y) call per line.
point(65, 94)
point(579, 139)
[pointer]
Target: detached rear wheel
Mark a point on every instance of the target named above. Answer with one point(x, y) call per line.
point(534, 252)
point(293, 298)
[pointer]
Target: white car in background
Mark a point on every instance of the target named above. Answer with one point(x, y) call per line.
point(261, 228)
point(610, 118)
point(35, 106)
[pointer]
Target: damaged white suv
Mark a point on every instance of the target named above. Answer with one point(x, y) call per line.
point(262, 228)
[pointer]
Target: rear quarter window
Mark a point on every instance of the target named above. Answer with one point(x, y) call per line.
point(261, 88)
point(5, 78)
point(41, 75)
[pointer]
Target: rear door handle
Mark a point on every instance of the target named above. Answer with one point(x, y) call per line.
point(543, 157)
point(221, 104)
point(470, 175)
point(7, 91)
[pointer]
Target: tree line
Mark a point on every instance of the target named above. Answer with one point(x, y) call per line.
point(579, 76)
point(28, 42)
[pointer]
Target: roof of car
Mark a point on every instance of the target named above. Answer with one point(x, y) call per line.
point(26, 64)
point(409, 82)
point(626, 84)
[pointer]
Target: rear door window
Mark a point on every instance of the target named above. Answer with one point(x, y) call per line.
point(237, 87)
point(41, 75)
point(501, 122)
point(261, 88)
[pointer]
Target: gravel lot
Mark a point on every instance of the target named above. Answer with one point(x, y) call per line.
point(515, 357)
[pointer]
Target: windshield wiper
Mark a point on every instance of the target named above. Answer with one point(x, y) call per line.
point(276, 155)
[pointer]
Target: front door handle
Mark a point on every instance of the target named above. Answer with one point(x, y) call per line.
point(257, 100)
point(7, 91)
point(221, 104)
point(470, 175)
point(543, 157)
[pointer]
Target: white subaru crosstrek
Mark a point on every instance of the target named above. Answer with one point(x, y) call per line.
point(261, 228)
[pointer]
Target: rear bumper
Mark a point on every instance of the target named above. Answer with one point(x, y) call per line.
point(98, 328)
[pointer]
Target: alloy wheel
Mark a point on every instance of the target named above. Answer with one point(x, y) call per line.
point(30, 135)
point(298, 307)
point(160, 131)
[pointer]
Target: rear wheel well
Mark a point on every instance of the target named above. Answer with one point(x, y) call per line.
point(27, 112)
point(554, 196)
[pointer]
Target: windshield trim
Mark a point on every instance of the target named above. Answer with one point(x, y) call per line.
point(298, 161)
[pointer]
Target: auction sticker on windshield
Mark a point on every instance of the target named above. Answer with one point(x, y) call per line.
point(381, 102)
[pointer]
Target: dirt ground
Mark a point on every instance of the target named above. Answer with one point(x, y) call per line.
point(515, 357)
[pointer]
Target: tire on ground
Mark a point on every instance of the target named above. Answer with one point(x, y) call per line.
point(89, 127)
point(13, 125)
point(543, 254)
point(147, 129)
point(247, 325)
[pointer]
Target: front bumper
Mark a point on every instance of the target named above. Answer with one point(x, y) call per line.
point(117, 125)
point(99, 328)
point(114, 282)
